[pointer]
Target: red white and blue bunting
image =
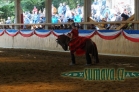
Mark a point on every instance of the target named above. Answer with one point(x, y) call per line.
point(26, 33)
point(60, 32)
point(132, 35)
point(11, 32)
point(1, 32)
point(42, 33)
point(108, 34)
point(87, 33)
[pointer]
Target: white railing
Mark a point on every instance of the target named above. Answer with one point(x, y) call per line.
point(85, 23)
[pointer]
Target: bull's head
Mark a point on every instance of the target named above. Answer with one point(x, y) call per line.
point(63, 41)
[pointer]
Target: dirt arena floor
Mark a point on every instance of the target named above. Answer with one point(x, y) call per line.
point(40, 71)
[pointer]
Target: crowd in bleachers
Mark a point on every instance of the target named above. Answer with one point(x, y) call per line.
point(61, 14)
point(100, 11)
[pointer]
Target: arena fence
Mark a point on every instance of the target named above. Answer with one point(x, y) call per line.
point(118, 42)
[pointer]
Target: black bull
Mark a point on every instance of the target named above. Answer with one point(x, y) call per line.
point(89, 47)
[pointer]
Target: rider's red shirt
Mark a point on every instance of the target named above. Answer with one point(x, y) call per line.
point(75, 33)
point(77, 43)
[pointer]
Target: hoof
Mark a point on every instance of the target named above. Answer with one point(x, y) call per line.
point(89, 64)
point(72, 64)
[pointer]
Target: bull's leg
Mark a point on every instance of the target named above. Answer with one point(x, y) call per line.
point(88, 59)
point(96, 54)
point(96, 59)
point(72, 59)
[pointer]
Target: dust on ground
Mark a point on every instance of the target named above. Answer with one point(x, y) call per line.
point(24, 70)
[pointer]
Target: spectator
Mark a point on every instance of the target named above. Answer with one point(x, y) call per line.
point(60, 9)
point(40, 16)
point(92, 26)
point(8, 21)
point(26, 21)
point(104, 3)
point(35, 18)
point(54, 19)
point(68, 13)
point(77, 18)
point(124, 17)
point(64, 8)
point(79, 9)
point(35, 9)
point(54, 10)
point(41, 20)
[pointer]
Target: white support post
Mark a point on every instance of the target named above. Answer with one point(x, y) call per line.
point(87, 11)
point(136, 17)
point(48, 12)
point(17, 12)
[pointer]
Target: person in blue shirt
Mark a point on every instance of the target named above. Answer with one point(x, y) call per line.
point(26, 21)
point(54, 19)
point(64, 8)
point(8, 21)
point(44, 19)
point(60, 9)
point(77, 18)
point(35, 18)
point(79, 9)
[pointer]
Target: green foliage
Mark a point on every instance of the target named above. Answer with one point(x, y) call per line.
point(6, 9)
point(28, 5)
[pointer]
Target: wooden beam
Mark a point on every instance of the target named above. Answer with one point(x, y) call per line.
point(94, 22)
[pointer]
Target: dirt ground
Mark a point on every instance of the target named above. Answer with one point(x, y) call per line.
point(40, 71)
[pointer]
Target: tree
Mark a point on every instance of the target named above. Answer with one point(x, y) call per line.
point(6, 8)
point(27, 5)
